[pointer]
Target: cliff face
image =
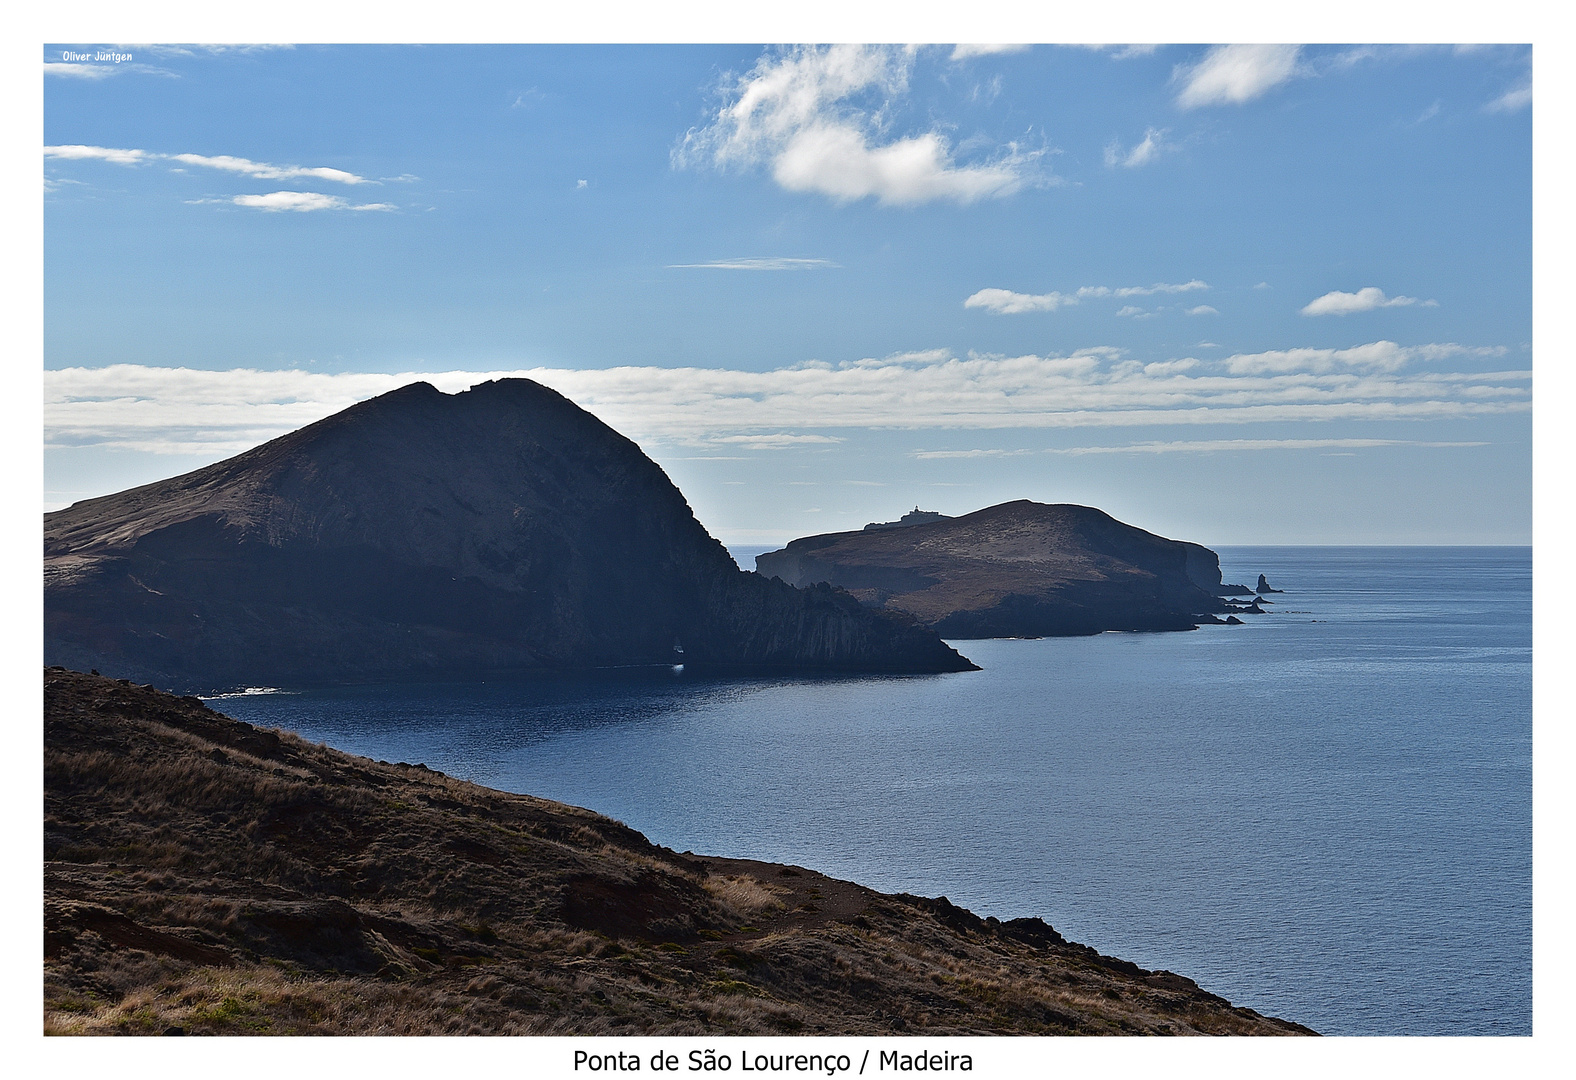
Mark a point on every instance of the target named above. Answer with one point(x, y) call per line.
point(1020, 569)
point(423, 534)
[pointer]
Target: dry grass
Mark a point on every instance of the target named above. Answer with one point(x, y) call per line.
point(206, 877)
point(746, 897)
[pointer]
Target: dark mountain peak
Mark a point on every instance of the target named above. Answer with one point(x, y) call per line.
point(499, 529)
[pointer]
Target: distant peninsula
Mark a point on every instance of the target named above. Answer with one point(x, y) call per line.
point(206, 877)
point(1018, 569)
point(427, 535)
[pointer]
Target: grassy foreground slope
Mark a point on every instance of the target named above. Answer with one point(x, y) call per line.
point(205, 876)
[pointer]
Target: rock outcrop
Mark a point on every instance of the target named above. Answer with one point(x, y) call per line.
point(1020, 569)
point(915, 516)
point(1264, 587)
point(427, 535)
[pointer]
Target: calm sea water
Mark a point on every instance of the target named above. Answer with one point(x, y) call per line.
point(1324, 814)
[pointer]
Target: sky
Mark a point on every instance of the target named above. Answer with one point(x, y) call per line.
point(1231, 294)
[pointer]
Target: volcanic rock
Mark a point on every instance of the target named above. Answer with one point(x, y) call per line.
point(1019, 569)
point(427, 535)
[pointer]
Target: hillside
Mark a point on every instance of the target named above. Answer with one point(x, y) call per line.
point(1019, 569)
point(429, 535)
point(206, 877)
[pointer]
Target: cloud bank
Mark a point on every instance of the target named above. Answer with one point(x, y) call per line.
point(797, 113)
point(182, 410)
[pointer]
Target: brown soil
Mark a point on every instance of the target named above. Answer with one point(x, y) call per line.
point(206, 877)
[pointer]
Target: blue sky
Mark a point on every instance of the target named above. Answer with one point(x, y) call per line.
point(1233, 294)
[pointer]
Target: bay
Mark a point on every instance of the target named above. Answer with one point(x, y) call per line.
point(1324, 814)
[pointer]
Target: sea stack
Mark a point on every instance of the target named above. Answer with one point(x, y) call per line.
point(428, 535)
point(1019, 569)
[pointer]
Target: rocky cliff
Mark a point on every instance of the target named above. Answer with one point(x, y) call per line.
point(1020, 569)
point(422, 534)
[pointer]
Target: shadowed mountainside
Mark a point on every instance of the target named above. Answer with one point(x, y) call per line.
point(203, 876)
point(422, 534)
point(1019, 569)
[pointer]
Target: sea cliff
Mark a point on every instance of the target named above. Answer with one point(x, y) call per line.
point(1018, 569)
point(429, 535)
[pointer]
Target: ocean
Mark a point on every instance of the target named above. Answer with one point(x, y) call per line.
point(1324, 814)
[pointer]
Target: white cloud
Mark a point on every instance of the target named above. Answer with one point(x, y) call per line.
point(1202, 309)
point(1161, 287)
point(778, 440)
point(100, 153)
point(75, 70)
point(934, 455)
point(969, 51)
point(303, 202)
point(795, 113)
point(1210, 446)
point(209, 50)
point(1006, 302)
point(264, 171)
point(258, 169)
point(758, 264)
point(1233, 74)
point(1202, 446)
point(1133, 312)
point(290, 200)
point(835, 160)
point(1378, 356)
point(1368, 299)
point(1121, 52)
point(181, 410)
point(79, 71)
point(1516, 98)
point(1142, 154)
